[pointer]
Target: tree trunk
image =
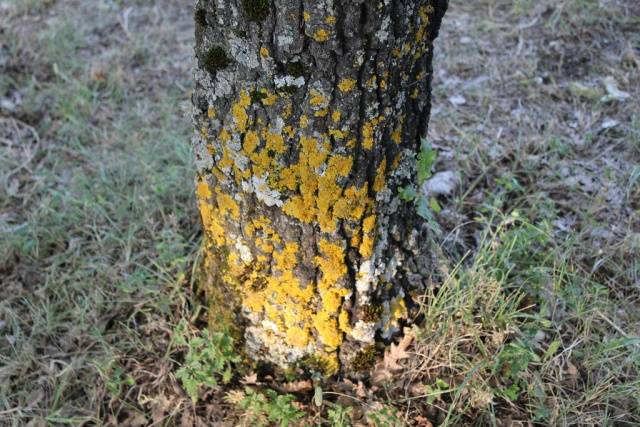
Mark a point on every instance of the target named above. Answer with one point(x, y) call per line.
point(309, 115)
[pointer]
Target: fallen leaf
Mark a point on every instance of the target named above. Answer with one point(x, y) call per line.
point(134, 419)
point(608, 123)
point(384, 370)
point(187, 419)
point(457, 100)
point(613, 92)
point(250, 379)
point(296, 386)
point(160, 405)
point(442, 183)
point(361, 390)
point(422, 421)
point(234, 397)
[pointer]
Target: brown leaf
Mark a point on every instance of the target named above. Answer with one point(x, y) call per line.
point(160, 405)
point(36, 422)
point(421, 421)
point(187, 419)
point(296, 386)
point(398, 352)
point(572, 371)
point(249, 379)
point(361, 390)
point(417, 389)
point(234, 397)
point(134, 419)
point(384, 370)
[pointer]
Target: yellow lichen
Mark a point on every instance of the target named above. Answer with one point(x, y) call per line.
point(203, 191)
point(337, 134)
point(321, 35)
point(317, 99)
point(251, 142)
point(306, 16)
point(343, 321)
point(211, 112)
point(366, 247)
point(378, 183)
point(372, 83)
point(304, 122)
point(269, 98)
point(346, 85)
point(239, 111)
point(396, 135)
point(332, 265)
point(368, 130)
point(321, 113)
point(264, 52)
point(330, 20)
point(335, 116)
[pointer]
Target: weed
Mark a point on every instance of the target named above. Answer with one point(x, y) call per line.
point(209, 356)
point(269, 406)
point(425, 206)
point(339, 416)
point(385, 416)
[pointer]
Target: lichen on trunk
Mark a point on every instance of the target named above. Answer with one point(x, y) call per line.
point(308, 116)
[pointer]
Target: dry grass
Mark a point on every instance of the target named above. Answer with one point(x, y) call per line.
point(534, 313)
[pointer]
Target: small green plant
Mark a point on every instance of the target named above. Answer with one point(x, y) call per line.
point(262, 408)
point(208, 357)
point(513, 360)
point(386, 416)
point(339, 416)
point(434, 391)
point(115, 378)
point(424, 206)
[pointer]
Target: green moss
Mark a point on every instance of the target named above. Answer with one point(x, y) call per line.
point(315, 363)
point(289, 89)
point(256, 10)
point(200, 16)
point(215, 59)
point(372, 313)
point(295, 69)
point(365, 359)
point(257, 96)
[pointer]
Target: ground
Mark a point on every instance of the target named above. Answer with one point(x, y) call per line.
point(534, 311)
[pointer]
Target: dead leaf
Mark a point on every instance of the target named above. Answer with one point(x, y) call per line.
point(572, 371)
point(160, 405)
point(249, 379)
point(36, 422)
point(418, 389)
point(361, 390)
point(297, 386)
point(234, 397)
point(134, 419)
point(384, 370)
point(613, 92)
point(422, 421)
point(187, 419)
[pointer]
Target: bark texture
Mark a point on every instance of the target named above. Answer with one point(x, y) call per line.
point(308, 116)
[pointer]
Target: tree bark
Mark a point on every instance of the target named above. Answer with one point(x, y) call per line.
point(309, 116)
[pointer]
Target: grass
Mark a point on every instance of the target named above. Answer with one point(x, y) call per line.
point(533, 316)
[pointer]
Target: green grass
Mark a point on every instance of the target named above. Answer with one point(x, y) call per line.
point(533, 315)
point(101, 232)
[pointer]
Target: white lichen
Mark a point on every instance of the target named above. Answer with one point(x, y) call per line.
point(364, 331)
point(243, 52)
point(263, 192)
point(285, 81)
